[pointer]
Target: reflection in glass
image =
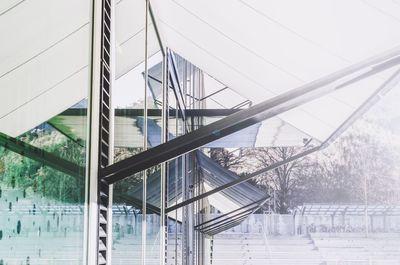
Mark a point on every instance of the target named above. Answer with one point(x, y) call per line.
point(44, 83)
point(42, 198)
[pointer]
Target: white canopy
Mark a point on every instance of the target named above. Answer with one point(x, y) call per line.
point(258, 48)
point(43, 60)
point(261, 48)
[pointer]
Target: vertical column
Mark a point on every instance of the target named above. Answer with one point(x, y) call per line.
point(185, 191)
point(201, 205)
point(111, 132)
point(99, 138)
point(188, 78)
point(164, 166)
point(176, 178)
point(104, 155)
point(145, 133)
point(91, 225)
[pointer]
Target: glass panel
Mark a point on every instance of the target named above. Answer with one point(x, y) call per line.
point(44, 80)
point(127, 221)
point(132, 102)
point(128, 90)
point(42, 207)
point(153, 224)
point(174, 191)
point(344, 198)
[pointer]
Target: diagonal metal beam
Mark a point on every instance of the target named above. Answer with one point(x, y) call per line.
point(243, 179)
point(245, 118)
point(137, 203)
point(41, 156)
point(222, 229)
point(223, 221)
point(393, 81)
point(175, 82)
point(226, 226)
point(58, 129)
point(232, 223)
point(153, 20)
point(228, 213)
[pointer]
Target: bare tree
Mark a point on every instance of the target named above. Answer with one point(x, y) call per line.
point(362, 166)
point(228, 159)
point(284, 180)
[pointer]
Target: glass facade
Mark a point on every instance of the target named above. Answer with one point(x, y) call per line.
point(44, 83)
point(168, 132)
point(42, 198)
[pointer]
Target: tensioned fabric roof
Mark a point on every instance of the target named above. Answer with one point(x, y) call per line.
point(44, 59)
point(261, 48)
point(258, 48)
point(44, 56)
point(274, 132)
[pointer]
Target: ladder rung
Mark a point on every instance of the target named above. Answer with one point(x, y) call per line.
point(101, 260)
point(102, 233)
point(102, 219)
point(102, 247)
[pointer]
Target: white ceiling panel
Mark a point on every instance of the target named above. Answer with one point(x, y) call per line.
point(263, 48)
point(43, 61)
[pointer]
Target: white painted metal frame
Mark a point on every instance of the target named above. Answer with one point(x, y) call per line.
point(93, 134)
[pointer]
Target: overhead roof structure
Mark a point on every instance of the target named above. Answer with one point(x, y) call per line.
point(257, 50)
point(281, 51)
point(267, 109)
point(275, 132)
point(263, 48)
point(43, 61)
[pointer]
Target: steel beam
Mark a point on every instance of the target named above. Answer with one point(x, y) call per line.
point(223, 221)
point(226, 226)
point(174, 75)
point(243, 179)
point(58, 129)
point(175, 83)
point(222, 229)
point(233, 223)
point(373, 99)
point(154, 22)
point(245, 118)
point(41, 156)
point(228, 213)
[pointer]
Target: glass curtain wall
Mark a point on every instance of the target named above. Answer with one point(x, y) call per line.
point(44, 83)
point(137, 101)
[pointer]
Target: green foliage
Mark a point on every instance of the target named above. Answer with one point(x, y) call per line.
point(2, 167)
point(26, 174)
